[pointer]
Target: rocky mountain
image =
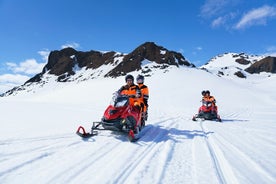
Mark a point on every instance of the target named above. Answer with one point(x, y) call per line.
point(66, 62)
point(240, 65)
point(71, 65)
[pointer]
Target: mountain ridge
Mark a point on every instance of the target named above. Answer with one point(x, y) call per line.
point(62, 63)
point(68, 65)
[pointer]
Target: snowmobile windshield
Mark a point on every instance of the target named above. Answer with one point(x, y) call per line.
point(119, 100)
point(207, 103)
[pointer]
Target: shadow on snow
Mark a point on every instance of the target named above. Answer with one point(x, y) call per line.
point(153, 133)
point(233, 120)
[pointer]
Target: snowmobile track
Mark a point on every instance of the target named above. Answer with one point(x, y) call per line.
point(140, 156)
point(146, 154)
point(219, 161)
point(82, 165)
point(244, 158)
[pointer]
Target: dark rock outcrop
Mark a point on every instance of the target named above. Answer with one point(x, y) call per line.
point(239, 74)
point(267, 64)
point(242, 61)
point(61, 63)
point(151, 52)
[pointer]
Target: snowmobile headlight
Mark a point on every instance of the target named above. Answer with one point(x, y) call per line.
point(112, 111)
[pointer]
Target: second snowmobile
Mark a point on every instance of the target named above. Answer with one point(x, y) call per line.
point(207, 112)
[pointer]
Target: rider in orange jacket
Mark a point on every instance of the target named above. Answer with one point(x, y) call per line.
point(131, 90)
point(207, 97)
point(144, 95)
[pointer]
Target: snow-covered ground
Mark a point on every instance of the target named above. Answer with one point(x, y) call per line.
point(38, 143)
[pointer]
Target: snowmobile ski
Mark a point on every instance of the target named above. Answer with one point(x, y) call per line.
point(82, 133)
point(131, 136)
point(195, 118)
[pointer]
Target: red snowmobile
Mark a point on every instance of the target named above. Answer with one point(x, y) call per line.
point(207, 111)
point(118, 116)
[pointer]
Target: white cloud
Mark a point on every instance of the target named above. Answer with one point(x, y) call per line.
point(218, 21)
point(220, 12)
point(224, 20)
point(30, 67)
point(223, 13)
point(21, 72)
point(181, 51)
point(257, 16)
point(72, 45)
point(198, 48)
point(13, 78)
point(8, 81)
point(213, 7)
point(271, 51)
point(272, 54)
point(44, 54)
point(271, 48)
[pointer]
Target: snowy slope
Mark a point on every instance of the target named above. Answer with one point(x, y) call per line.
point(38, 143)
point(226, 65)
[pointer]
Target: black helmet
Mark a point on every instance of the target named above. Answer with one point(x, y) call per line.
point(140, 77)
point(207, 92)
point(203, 93)
point(129, 77)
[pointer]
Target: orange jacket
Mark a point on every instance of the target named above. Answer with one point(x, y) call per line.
point(132, 91)
point(144, 93)
point(209, 99)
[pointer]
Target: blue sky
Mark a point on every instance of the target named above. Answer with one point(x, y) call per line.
point(199, 29)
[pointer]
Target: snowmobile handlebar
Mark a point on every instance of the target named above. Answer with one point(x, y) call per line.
point(129, 96)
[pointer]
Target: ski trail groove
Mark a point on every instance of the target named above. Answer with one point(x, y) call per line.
point(52, 144)
point(146, 155)
point(35, 139)
point(244, 158)
point(149, 151)
point(19, 166)
point(219, 161)
point(82, 165)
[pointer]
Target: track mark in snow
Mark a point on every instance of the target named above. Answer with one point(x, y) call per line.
point(244, 159)
point(220, 163)
point(26, 146)
point(142, 156)
point(155, 151)
point(34, 139)
point(31, 161)
point(73, 171)
point(194, 173)
point(18, 155)
point(235, 116)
